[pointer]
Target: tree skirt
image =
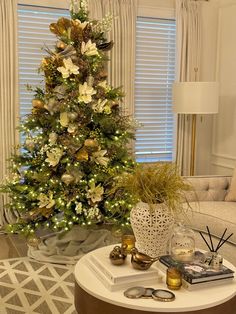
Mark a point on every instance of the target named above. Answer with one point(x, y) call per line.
point(27, 286)
point(69, 247)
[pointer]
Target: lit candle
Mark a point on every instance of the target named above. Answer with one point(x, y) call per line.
point(128, 242)
point(182, 254)
point(173, 278)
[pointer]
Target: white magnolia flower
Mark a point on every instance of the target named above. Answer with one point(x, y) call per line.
point(64, 119)
point(72, 128)
point(85, 93)
point(93, 213)
point(79, 208)
point(53, 138)
point(104, 85)
point(89, 49)
point(95, 192)
point(46, 201)
point(51, 105)
point(54, 156)
point(68, 69)
point(101, 106)
point(81, 25)
point(99, 158)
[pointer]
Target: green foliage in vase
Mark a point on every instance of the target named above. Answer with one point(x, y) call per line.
point(75, 137)
point(154, 184)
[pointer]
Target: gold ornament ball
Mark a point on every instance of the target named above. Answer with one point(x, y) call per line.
point(33, 241)
point(82, 155)
point(91, 144)
point(61, 45)
point(67, 178)
point(37, 103)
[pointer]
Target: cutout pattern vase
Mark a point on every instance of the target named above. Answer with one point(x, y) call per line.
point(152, 228)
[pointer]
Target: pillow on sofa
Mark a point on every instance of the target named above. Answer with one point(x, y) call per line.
point(231, 195)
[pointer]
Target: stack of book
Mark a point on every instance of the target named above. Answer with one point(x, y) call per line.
point(197, 274)
point(115, 277)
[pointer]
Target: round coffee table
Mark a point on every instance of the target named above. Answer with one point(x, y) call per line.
point(91, 296)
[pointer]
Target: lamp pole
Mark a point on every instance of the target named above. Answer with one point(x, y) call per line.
point(193, 144)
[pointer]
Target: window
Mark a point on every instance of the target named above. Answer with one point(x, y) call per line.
point(155, 73)
point(33, 34)
point(155, 68)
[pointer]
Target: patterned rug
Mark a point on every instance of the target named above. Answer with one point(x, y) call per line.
point(31, 287)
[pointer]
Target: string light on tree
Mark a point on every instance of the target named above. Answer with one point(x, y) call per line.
point(75, 147)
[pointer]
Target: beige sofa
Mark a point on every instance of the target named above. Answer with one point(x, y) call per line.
point(209, 208)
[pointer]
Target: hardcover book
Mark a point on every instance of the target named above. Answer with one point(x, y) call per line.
point(123, 273)
point(130, 282)
point(198, 285)
point(197, 271)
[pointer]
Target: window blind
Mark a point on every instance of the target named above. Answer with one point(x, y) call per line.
point(155, 73)
point(33, 35)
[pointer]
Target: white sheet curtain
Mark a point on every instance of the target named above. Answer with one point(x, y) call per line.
point(121, 69)
point(8, 93)
point(188, 39)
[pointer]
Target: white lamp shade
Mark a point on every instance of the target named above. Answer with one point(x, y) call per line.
point(196, 97)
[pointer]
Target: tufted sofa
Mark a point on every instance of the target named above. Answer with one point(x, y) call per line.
point(209, 208)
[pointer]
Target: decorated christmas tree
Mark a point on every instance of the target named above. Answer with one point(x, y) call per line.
point(75, 137)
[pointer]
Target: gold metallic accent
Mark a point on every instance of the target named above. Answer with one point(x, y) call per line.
point(117, 256)
point(141, 261)
point(193, 144)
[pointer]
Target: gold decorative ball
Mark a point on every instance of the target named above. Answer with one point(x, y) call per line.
point(91, 144)
point(37, 103)
point(33, 241)
point(82, 155)
point(67, 178)
point(61, 45)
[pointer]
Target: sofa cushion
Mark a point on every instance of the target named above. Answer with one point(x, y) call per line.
point(216, 215)
point(231, 194)
point(208, 188)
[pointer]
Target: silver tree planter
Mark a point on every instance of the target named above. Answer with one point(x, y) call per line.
point(152, 228)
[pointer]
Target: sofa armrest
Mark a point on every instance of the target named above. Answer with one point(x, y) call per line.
point(208, 188)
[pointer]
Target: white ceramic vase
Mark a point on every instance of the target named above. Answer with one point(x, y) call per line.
point(152, 228)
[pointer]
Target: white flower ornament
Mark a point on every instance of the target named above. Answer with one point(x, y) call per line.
point(89, 49)
point(95, 192)
point(99, 158)
point(68, 69)
point(54, 156)
point(85, 93)
point(46, 201)
point(101, 106)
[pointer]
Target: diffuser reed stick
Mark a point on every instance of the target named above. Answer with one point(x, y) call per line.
point(221, 239)
point(212, 246)
point(205, 241)
point(220, 243)
point(224, 241)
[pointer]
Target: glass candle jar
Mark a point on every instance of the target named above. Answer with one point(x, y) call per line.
point(173, 278)
point(182, 244)
point(128, 242)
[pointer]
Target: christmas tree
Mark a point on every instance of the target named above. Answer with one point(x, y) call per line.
point(75, 137)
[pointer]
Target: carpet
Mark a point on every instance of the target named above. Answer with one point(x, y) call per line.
point(30, 287)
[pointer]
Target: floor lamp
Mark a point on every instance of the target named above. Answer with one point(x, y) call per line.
point(195, 98)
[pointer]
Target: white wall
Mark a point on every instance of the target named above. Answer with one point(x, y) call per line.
point(224, 131)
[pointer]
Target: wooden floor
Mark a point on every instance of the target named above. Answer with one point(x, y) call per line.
point(12, 246)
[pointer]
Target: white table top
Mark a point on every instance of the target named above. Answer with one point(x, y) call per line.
point(185, 300)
